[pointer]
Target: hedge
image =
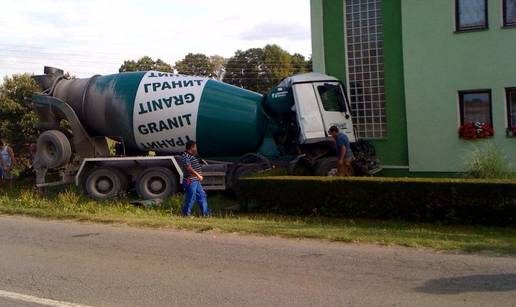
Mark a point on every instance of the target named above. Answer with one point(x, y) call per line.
point(464, 201)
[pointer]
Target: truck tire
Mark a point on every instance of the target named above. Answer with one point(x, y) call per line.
point(255, 158)
point(241, 172)
point(156, 183)
point(326, 167)
point(105, 183)
point(54, 149)
point(300, 167)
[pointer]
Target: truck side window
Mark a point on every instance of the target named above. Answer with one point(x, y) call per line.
point(331, 98)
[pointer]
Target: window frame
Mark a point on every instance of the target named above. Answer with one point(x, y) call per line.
point(336, 87)
point(508, 92)
point(479, 91)
point(458, 28)
point(504, 18)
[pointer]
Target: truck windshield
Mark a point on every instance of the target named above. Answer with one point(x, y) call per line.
point(331, 97)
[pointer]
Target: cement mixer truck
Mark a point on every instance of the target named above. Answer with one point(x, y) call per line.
point(122, 132)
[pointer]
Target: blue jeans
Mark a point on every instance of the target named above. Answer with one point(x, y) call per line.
point(194, 192)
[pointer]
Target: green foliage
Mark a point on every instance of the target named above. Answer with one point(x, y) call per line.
point(259, 69)
point(273, 172)
point(277, 64)
point(145, 63)
point(300, 65)
point(244, 70)
point(488, 161)
point(69, 200)
point(427, 200)
point(18, 121)
point(219, 66)
point(256, 69)
point(68, 204)
point(201, 65)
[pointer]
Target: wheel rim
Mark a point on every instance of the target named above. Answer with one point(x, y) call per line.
point(156, 185)
point(332, 172)
point(51, 150)
point(104, 185)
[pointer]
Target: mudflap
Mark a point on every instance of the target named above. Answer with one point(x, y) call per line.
point(366, 162)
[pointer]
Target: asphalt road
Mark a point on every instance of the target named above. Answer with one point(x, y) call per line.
point(103, 265)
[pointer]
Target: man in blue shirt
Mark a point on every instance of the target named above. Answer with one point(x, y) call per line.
point(343, 152)
point(192, 169)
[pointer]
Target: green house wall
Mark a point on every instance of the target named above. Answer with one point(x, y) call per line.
point(330, 32)
point(334, 40)
point(426, 63)
point(437, 64)
point(393, 150)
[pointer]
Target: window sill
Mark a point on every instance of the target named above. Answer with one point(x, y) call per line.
point(471, 30)
point(509, 26)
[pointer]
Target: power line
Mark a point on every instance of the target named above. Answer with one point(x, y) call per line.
point(88, 59)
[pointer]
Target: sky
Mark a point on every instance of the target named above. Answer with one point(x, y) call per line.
point(88, 37)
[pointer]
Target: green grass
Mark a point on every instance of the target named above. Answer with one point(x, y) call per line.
point(70, 205)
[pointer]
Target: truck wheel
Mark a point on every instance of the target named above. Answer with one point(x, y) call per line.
point(54, 149)
point(254, 158)
point(326, 167)
point(104, 183)
point(300, 167)
point(241, 172)
point(156, 182)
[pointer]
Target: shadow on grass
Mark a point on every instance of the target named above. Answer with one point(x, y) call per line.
point(473, 283)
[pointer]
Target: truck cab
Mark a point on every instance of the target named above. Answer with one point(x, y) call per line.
point(312, 103)
point(318, 101)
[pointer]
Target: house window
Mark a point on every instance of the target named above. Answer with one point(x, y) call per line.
point(471, 15)
point(475, 106)
point(509, 13)
point(364, 37)
point(511, 110)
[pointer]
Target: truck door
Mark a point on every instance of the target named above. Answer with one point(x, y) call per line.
point(309, 117)
point(335, 110)
point(320, 105)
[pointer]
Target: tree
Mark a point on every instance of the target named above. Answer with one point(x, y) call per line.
point(245, 69)
point(145, 63)
point(278, 64)
point(259, 69)
point(300, 64)
point(219, 66)
point(18, 120)
point(196, 64)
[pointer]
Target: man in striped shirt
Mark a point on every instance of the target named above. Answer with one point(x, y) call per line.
point(192, 169)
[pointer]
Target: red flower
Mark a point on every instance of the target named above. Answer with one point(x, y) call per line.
point(476, 130)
